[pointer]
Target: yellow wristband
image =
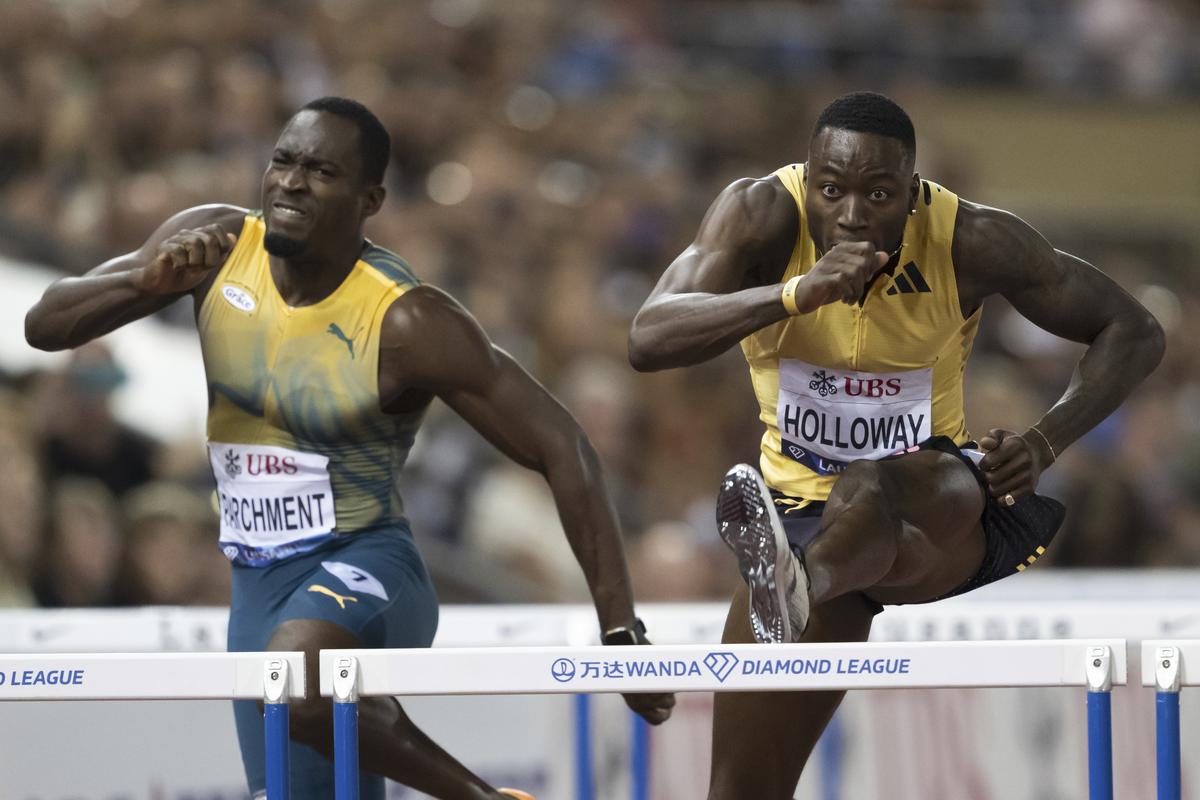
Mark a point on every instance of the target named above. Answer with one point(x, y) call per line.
point(789, 295)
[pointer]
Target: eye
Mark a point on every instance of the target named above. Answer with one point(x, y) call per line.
point(879, 195)
point(324, 172)
point(829, 190)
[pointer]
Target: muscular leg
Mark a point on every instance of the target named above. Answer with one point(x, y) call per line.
point(903, 530)
point(762, 740)
point(390, 744)
point(897, 531)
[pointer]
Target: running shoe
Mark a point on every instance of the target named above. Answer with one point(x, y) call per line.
point(517, 793)
point(749, 524)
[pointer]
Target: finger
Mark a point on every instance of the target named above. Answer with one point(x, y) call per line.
point(1005, 474)
point(655, 716)
point(881, 258)
point(224, 239)
point(193, 250)
point(1018, 487)
point(990, 444)
point(213, 251)
point(179, 256)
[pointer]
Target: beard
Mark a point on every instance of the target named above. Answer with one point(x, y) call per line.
point(282, 246)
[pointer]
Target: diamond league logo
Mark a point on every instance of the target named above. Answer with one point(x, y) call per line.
point(562, 670)
point(720, 664)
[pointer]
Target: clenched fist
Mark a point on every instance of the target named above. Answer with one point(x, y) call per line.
point(840, 275)
point(1013, 463)
point(186, 259)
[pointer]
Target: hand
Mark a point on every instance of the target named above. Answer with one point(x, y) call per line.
point(1012, 464)
point(654, 708)
point(840, 275)
point(186, 259)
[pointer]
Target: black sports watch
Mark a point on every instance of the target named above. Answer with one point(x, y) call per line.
point(626, 634)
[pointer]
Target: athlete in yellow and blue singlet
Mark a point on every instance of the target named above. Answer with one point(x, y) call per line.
point(855, 289)
point(322, 352)
point(300, 448)
point(306, 464)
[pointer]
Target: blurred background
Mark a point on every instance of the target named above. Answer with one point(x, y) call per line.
point(550, 158)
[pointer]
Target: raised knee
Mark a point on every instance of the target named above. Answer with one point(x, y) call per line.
point(861, 482)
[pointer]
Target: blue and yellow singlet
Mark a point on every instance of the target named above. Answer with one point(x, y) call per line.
point(299, 446)
point(847, 382)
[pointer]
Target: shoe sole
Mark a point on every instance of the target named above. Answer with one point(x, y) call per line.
point(749, 524)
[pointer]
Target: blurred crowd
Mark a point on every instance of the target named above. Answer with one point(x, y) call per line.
point(549, 160)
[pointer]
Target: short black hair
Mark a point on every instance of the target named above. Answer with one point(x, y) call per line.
point(373, 138)
point(869, 112)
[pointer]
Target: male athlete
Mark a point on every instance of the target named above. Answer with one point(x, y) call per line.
point(855, 288)
point(322, 353)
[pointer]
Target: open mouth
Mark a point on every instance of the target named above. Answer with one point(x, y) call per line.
point(285, 210)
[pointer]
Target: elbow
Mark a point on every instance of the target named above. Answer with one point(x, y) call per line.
point(39, 334)
point(1154, 340)
point(642, 354)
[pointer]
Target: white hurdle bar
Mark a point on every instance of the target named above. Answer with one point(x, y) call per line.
point(1165, 666)
point(1096, 664)
point(274, 678)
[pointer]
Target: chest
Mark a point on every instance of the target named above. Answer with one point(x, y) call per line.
point(309, 371)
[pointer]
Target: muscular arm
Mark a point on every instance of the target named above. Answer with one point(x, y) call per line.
point(723, 287)
point(76, 310)
point(997, 253)
point(431, 343)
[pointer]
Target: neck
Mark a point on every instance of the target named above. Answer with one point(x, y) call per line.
point(306, 280)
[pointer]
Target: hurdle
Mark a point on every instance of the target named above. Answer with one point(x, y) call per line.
point(274, 678)
point(1097, 664)
point(1165, 667)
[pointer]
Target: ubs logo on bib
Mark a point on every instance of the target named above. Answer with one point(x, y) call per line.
point(238, 297)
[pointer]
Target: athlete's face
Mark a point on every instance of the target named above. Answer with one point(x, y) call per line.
point(859, 188)
point(313, 196)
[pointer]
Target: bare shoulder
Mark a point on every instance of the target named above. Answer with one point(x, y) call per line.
point(433, 339)
point(996, 251)
point(421, 313)
point(760, 207)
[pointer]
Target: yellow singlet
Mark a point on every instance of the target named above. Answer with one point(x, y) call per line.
point(848, 382)
point(298, 444)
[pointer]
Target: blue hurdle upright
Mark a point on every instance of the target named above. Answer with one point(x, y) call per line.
point(273, 678)
point(1164, 666)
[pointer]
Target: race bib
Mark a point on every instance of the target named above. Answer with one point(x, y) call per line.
point(830, 417)
point(270, 498)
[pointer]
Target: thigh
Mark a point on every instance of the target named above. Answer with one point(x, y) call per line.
point(937, 505)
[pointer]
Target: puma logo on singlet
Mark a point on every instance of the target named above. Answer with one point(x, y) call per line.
point(915, 282)
point(334, 330)
point(341, 599)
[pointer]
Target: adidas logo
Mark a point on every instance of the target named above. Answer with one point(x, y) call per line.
point(912, 284)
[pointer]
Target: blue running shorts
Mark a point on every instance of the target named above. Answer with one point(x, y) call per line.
point(372, 583)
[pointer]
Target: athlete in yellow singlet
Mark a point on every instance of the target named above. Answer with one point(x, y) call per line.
point(322, 352)
point(855, 289)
